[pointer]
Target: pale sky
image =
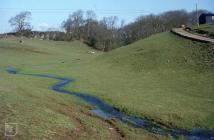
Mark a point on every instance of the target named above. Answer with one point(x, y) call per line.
point(50, 13)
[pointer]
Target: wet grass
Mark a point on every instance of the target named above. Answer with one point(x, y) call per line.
point(164, 78)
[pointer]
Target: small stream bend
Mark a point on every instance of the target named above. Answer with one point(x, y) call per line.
point(107, 111)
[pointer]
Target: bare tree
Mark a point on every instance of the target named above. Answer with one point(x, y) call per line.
point(192, 16)
point(74, 24)
point(110, 22)
point(21, 21)
point(122, 23)
point(90, 19)
point(145, 26)
point(110, 25)
point(90, 15)
point(108, 34)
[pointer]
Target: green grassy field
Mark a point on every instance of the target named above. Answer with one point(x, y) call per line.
point(163, 78)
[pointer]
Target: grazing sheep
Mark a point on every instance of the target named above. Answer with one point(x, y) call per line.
point(91, 52)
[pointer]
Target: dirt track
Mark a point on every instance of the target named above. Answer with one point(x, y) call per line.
point(181, 32)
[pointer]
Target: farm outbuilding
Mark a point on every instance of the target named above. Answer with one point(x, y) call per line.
point(206, 18)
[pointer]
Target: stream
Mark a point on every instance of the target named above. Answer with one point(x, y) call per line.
point(107, 111)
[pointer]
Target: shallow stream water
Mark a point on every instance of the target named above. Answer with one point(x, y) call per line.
point(107, 111)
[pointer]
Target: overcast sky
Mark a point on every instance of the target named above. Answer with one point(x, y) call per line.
point(50, 13)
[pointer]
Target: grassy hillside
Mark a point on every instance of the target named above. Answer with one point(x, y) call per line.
point(163, 77)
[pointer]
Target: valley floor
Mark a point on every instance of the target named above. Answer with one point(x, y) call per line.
point(163, 78)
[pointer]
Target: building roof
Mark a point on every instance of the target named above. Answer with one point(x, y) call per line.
point(207, 14)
